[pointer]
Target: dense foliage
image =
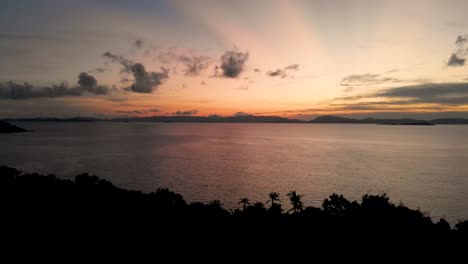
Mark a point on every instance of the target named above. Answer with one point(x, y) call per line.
point(89, 205)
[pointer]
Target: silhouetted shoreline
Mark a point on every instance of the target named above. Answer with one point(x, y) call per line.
point(89, 200)
point(9, 128)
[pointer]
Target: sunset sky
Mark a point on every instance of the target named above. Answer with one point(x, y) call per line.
point(296, 59)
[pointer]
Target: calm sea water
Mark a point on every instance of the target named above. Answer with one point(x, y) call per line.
point(421, 166)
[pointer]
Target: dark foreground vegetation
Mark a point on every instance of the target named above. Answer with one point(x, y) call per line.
point(89, 206)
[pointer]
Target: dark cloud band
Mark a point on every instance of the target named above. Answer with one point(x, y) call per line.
point(441, 94)
point(87, 84)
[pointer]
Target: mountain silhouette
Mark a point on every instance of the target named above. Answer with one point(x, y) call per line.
point(247, 119)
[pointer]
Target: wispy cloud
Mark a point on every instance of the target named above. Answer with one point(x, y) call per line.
point(367, 80)
point(138, 112)
point(193, 64)
point(292, 67)
point(187, 112)
point(283, 72)
point(277, 72)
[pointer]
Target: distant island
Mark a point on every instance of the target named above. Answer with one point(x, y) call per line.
point(327, 119)
point(419, 123)
point(343, 120)
point(9, 128)
point(403, 121)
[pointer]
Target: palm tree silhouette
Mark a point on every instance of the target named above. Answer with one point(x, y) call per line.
point(244, 202)
point(296, 202)
point(274, 197)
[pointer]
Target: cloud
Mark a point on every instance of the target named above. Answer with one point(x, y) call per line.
point(446, 94)
point(366, 80)
point(461, 40)
point(86, 84)
point(138, 112)
point(126, 64)
point(189, 112)
point(283, 72)
point(99, 70)
point(87, 81)
point(143, 81)
point(233, 63)
point(348, 89)
point(256, 70)
point(458, 57)
point(292, 67)
point(437, 93)
point(278, 72)
point(146, 82)
point(455, 61)
point(193, 64)
point(89, 84)
point(138, 43)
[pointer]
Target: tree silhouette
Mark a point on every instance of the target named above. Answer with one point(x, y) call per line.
point(32, 198)
point(296, 201)
point(258, 205)
point(274, 197)
point(244, 202)
point(462, 227)
point(336, 205)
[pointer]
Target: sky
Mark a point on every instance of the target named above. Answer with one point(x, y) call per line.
point(297, 59)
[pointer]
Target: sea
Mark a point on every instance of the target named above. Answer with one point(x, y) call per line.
point(424, 167)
